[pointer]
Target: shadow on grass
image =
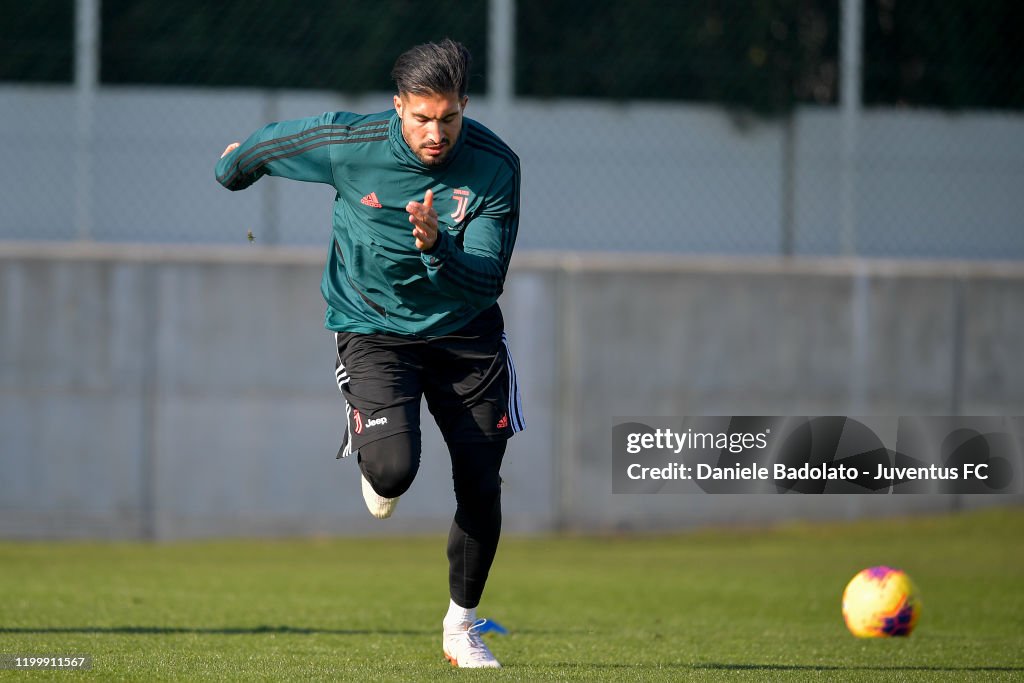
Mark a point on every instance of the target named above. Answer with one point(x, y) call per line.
point(227, 631)
point(828, 667)
point(714, 666)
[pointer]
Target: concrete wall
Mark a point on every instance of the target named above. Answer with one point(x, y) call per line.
point(168, 392)
point(647, 176)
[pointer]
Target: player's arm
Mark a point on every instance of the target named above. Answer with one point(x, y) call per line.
point(298, 149)
point(474, 272)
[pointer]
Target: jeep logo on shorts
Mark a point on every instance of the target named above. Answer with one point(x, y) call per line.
point(376, 421)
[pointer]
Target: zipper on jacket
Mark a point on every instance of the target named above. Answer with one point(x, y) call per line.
point(369, 302)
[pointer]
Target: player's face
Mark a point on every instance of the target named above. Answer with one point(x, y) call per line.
point(430, 123)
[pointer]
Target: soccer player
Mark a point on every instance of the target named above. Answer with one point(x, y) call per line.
point(425, 219)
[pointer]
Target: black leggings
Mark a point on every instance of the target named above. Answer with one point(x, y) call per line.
point(390, 465)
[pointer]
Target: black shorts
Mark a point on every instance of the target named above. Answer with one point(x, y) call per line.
point(467, 376)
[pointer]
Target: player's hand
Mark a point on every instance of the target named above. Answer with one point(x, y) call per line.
point(230, 148)
point(424, 218)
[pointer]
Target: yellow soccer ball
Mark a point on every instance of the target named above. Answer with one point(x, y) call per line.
point(881, 602)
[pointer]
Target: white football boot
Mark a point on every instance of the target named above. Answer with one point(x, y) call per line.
point(464, 647)
point(379, 506)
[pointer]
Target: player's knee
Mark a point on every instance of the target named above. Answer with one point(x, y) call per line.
point(476, 474)
point(478, 494)
point(390, 464)
point(478, 511)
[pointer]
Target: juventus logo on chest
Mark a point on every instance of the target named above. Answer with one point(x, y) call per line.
point(462, 199)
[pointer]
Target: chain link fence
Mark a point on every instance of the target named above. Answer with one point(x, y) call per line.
point(705, 126)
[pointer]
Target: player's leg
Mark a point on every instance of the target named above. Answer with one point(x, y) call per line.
point(379, 378)
point(474, 534)
point(472, 546)
point(472, 393)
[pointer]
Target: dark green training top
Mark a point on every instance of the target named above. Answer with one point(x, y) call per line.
point(375, 279)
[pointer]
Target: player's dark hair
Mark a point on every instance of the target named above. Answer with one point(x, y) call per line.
point(433, 69)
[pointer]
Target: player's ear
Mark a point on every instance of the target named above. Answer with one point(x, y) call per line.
point(464, 102)
point(398, 104)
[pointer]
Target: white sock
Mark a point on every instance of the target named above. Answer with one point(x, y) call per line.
point(457, 616)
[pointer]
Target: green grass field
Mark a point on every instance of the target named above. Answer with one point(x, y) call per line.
point(712, 605)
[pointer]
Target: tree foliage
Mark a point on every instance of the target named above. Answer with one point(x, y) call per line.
point(37, 41)
point(316, 44)
point(762, 55)
point(952, 54)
